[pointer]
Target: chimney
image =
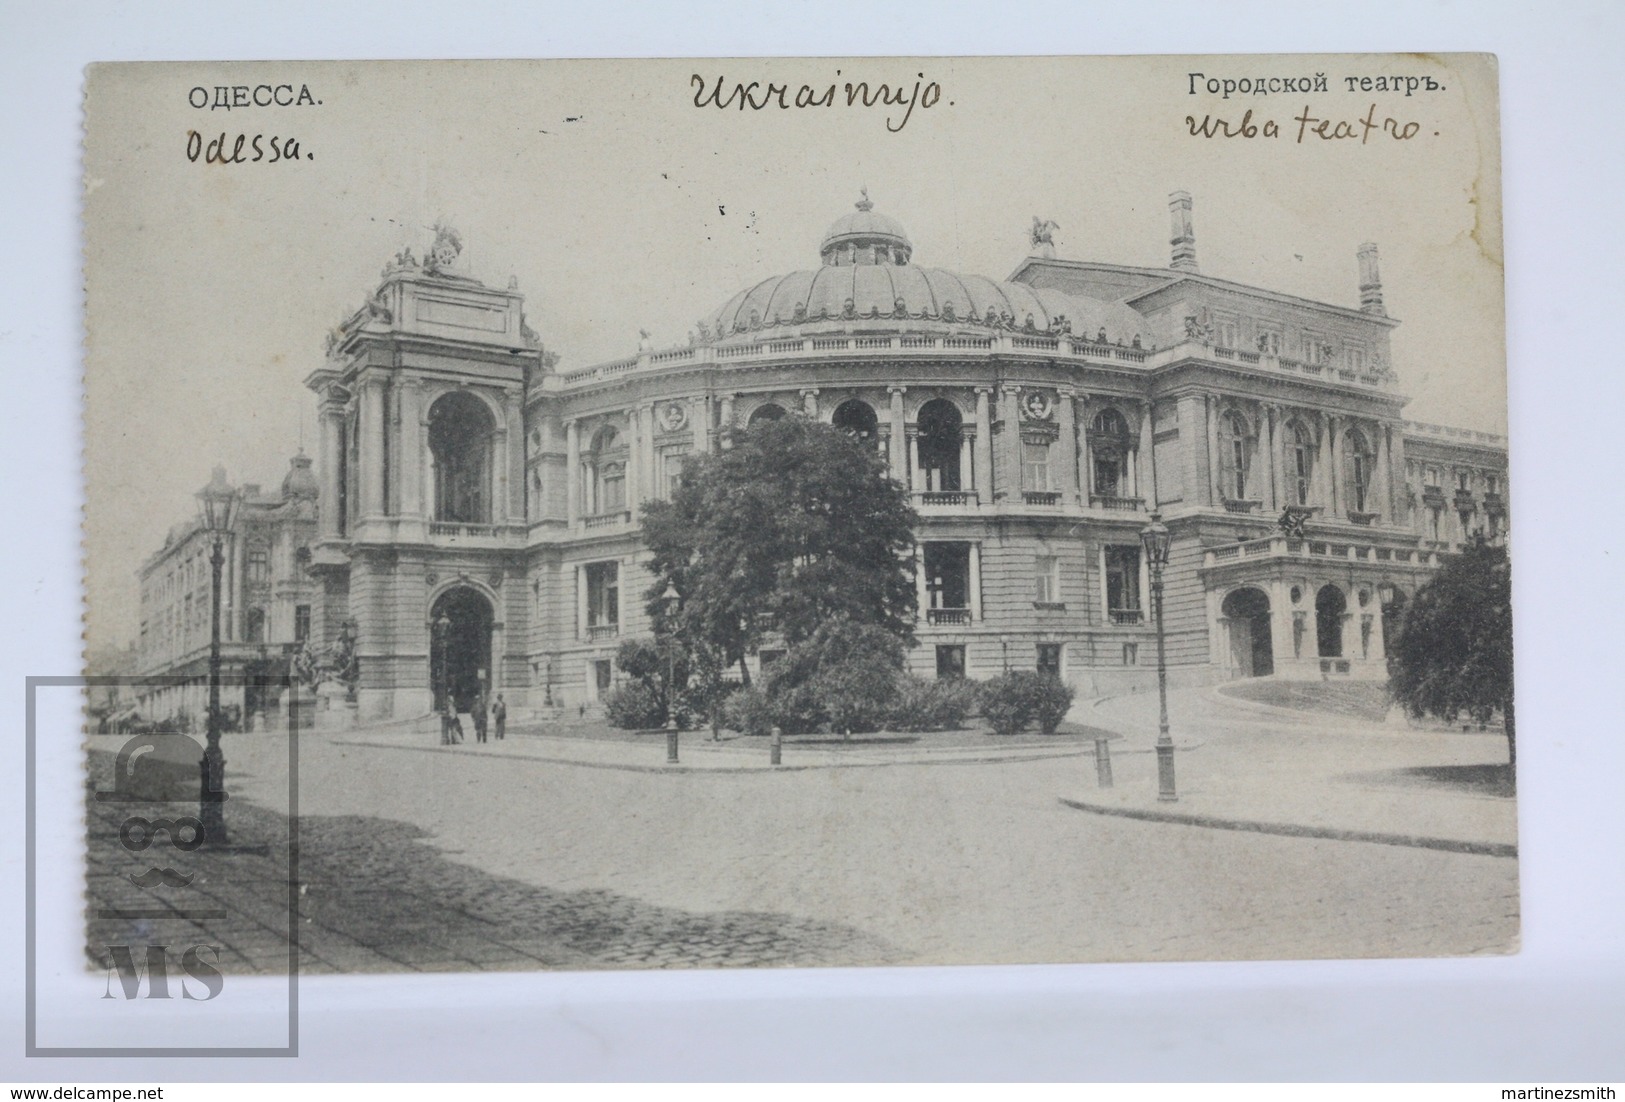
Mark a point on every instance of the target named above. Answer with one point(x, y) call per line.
point(1184, 235)
point(1370, 281)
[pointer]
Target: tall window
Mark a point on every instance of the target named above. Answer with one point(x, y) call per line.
point(603, 594)
point(1049, 658)
point(941, 434)
point(1430, 477)
point(1123, 584)
point(1464, 481)
point(1360, 462)
point(460, 435)
point(605, 472)
point(1236, 442)
point(1035, 466)
point(301, 623)
point(1302, 458)
point(1108, 443)
point(1046, 579)
point(1492, 484)
point(259, 563)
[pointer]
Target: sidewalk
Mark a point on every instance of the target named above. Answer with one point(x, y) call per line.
point(697, 753)
point(1254, 767)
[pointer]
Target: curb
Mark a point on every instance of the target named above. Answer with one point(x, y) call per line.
point(1296, 830)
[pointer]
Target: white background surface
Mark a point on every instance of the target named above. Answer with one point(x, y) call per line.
point(1554, 1012)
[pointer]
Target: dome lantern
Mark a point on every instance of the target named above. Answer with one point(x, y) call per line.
point(865, 237)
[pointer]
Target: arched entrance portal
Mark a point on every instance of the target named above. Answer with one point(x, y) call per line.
point(1248, 614)
point(1330, 604)
point(459, 646)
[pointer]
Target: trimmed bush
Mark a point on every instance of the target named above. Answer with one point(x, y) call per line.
point(634, 707)
point(1016, 699)
point(747, 711)
point(931, 704)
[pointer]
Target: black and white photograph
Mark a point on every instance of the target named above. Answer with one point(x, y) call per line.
point(764, 513)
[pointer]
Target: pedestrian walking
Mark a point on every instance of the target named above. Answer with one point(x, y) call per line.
point(479, 717)
point(499, 713)
point(456, 727)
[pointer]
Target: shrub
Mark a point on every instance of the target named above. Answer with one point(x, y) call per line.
point(1018, 698)
point(747, 711)
point(634, 707)
point(1053, 701)
point(843, 676)
point(857, 697)
point(931, 704)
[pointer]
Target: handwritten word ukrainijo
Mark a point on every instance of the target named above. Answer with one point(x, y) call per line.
point(758, 96)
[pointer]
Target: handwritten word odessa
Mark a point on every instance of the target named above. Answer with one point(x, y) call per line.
point(242, 148)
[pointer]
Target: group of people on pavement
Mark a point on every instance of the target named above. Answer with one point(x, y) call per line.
point(495, 715)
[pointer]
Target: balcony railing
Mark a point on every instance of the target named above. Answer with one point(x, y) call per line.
point(1359, 517)
point(1050, 606)
point(1125, 617)
point(1240, 505)
point(1041, 497)
point(599, 632)
point(1495, 505)
point(1464, 501)
point(1284, 547)
point(947, 615)
point(947, 497)
point(457, 528)
point(1117, 502)
point(606, 520)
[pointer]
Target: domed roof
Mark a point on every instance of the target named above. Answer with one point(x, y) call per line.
point(867, 275)
point(906, 292)
point(299, 481)
point(851, 237)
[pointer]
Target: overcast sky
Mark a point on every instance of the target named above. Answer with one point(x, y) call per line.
point(619, 205)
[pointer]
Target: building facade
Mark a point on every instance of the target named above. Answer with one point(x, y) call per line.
point(266, 596)
point(467, 481)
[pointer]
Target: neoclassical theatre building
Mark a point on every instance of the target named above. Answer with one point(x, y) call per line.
point(467, 478)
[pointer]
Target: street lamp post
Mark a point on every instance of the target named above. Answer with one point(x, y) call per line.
point(216, 503)
point(1156, 540)
point(670, 600)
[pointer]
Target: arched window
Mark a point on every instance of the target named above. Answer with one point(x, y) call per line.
point(1235, 455)
point(1108, 447)
point(1359, 461)
point(768, 412)
point(940, 439)
point(460, 436)
point(256, 625)
point(1300, 460)
point(857, 419)
point(1330, 604)
point(606, 472)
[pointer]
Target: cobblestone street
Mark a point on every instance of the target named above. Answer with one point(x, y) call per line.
point(465, 859)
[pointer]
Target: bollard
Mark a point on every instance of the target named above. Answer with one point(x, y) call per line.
point(1103, 763)
point(671, 742)
point(777, 745)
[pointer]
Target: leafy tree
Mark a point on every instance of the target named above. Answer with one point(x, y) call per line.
point(794, 527)
point(1454, 649)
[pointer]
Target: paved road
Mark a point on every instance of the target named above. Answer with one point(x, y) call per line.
point(436, 861)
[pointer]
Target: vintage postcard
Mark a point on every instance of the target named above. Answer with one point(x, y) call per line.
point(754, 513)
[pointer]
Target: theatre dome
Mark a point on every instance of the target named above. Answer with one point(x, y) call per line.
point(867, 274)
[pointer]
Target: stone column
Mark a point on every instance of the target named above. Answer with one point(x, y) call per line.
point(410, 449)
point(1007, 469)
point(1271, 423)
point(1145, 481)
point(513, 454)
point(1066, 422)
point(572, 471)
point(332, 453)
point(984, 447)
point(372, 447)
point(1085, 464)
point(634, 462)
point(1323, 464)
point(975, 581)
point(921, 595)
point(581, 601)
point(1397, 476)
point(1210, 405)
point(1335, 505)
point(916, 472)
point(699, 424)
point(1382, 479)
point(726, 428)
point(899, 436)
point(965, 447)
